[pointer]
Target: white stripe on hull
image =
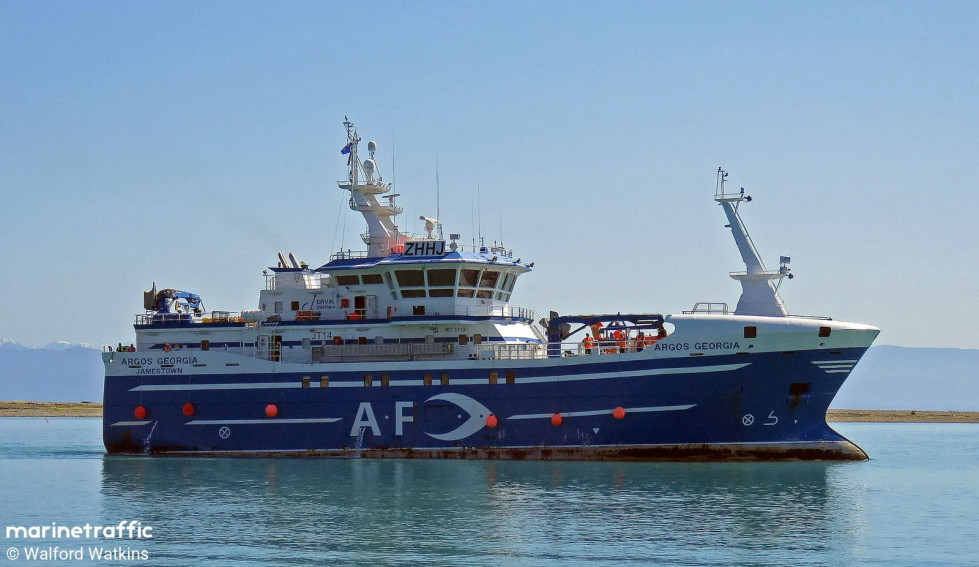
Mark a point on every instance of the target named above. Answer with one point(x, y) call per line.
point(462, 381)
point(269, 421)
point(601, 412)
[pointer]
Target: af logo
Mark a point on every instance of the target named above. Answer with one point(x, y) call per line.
point(366, 420)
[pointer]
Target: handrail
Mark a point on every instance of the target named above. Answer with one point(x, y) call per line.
point(496, 250)
point(708, 307)
point(349, 255)
point(487, 311)
point(208, 317)
point(506, 311)
point(527, 351)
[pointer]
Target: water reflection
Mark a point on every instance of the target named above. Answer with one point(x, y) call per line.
point(480, 512)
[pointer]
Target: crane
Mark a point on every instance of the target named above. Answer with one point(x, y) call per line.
point(172, 301)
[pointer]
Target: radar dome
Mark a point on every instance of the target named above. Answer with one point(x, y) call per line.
point(369, 166)
point(372, 146)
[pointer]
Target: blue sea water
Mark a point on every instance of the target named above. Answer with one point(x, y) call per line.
point(916, 502)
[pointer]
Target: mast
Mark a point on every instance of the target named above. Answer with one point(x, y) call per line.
point(759, 290)
point(382, 233)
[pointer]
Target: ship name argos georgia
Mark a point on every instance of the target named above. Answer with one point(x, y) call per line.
point(412, 349)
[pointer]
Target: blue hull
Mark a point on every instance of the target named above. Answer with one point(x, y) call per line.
point(768, 405)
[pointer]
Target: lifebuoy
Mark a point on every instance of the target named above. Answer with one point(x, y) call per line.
point(166, 348)
point(337, 340)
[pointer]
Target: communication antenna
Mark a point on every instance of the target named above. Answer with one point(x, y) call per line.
point(438, 196)
point(479, 217)
point(393, 175)
point(501, 224)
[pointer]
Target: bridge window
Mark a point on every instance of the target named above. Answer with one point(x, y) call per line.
point(441, 278)
point(410, 278)
point(372, 279)
point(411, 293)
point(466, 292)
point(348, 280)
point(484, 293)
point(468, 278)
point(446, 292)
point(489, 278)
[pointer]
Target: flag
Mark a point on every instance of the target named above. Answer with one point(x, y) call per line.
point(346, 149)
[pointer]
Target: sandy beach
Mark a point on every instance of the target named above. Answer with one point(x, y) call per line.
point(902, 416)
point(50, 409)
point(92, 409)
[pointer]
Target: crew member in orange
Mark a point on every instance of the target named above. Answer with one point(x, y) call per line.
point(588, 343)
point(619, 336)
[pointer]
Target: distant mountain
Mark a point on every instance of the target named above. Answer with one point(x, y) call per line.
point(58, 372)
point(887, 377)
point(890, 377)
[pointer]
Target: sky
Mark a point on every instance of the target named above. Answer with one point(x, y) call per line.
point(187, 143)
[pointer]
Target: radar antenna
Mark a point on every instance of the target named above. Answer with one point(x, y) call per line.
point(383, 235)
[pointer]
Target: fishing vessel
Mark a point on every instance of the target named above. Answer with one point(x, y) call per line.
point(412, 348)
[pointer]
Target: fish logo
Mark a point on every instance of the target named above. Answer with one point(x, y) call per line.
point(477, 416)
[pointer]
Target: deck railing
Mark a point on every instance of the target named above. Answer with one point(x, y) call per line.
point(708, 307)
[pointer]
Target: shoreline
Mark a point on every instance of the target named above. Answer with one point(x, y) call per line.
point(901, 416)
point(50, 409)
point(94, 409)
